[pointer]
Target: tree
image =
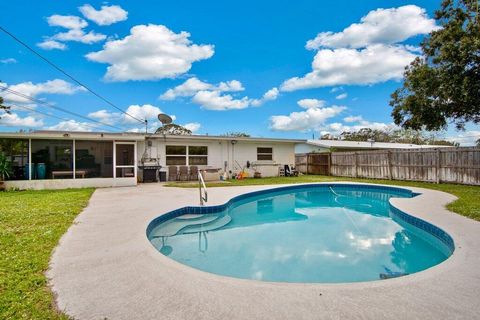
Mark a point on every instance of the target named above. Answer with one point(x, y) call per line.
point(443, 85)
point(4, 108)
point(173, 129)
point(236, 134)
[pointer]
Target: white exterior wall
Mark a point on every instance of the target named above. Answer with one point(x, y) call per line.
point(70, 183)
point(308, 148)
point(221, 151)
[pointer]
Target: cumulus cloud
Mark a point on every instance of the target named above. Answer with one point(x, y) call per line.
point(105, 116)
point(71, 125)
point(107, 15)
point(67, 22)
point(49, 44)
point(381, 26)
point(355, 123)
point(311, 103)
point(310, 119)
point(332, 67)
point(352, 56)
point(270, 95)
point(341, 96)
point(150, 52)
point(14, 120)
point(353, 119)
point(193, 85)
point(146, 111)
point(56, 86)
point(79, 35)
point(192, 126)
point(214, 100)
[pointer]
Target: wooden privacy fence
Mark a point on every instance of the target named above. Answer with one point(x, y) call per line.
point(455, 165)
point(313, 163)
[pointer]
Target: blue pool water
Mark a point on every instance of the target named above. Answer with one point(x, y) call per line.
point(319, 233)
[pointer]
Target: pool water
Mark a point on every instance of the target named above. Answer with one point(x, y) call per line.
point(321, 234)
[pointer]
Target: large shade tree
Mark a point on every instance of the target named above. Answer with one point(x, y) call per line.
point(443, 85)
point(173, 129)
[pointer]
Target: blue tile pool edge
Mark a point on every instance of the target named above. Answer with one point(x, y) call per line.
point(435, 231)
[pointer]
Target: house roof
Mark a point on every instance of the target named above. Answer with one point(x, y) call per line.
point(368, 145)
point(49, 134)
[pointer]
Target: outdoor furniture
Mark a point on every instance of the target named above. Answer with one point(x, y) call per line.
point(183, 173)
point(172, 173)
point(290, 172)
point(80, 173)
point(193, 172)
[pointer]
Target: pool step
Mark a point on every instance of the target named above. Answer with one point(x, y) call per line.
point(209, 226)
point(190, 216)
point(172, 227)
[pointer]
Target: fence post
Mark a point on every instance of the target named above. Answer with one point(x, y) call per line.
point(437, 169)
point(308, 161)
point(389, 164)
point(329, 172)
point(355, 162)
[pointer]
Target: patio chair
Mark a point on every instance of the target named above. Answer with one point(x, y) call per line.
point(193, 173)
point(172, 173)
point(183, 173)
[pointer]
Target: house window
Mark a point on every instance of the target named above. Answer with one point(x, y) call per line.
point(198, 155)
point(183, 155)
point(176, 155)
point(264, 153)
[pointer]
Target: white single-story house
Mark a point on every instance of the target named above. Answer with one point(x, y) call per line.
point(59, 159)
point(318, 146)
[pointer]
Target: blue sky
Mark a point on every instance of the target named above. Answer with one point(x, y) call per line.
point(233, 54)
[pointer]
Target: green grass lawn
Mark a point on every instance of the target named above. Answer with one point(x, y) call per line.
point(31, 223)
point(468, 203)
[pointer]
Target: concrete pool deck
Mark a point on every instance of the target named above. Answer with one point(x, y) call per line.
point(105, 268)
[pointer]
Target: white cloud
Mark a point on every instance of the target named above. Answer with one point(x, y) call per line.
point(466, 138)
point(335, 89)
point(341, 96)
point(353, 119)
point(381, 26)
point(8, 61)
point(71, 125)
point(56, 86)
point(14, 120)
point(332, 67)
point(214, 100)
point(105, 116)
point(146, 111)
point(150, 52)
point(192, 126)
point(193, 85)
point(270, 95)
point(107, 15)
point(310, 119)
point(51, 45)
point(67, 22)
point(79, 35)
point(311, 103)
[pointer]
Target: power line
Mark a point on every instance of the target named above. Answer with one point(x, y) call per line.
point(56, 107)
point(68, 75)
point(51, 115)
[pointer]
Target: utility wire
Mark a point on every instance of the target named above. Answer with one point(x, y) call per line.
point(51, 115)
point(55, 107)
point(68, 75)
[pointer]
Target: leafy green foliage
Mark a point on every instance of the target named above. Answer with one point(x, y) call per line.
point(3, 108)
point(398, 136)
point(444, 84)
point(5, 167)
point(235, 134)
point(173, 129)
point(31, 223)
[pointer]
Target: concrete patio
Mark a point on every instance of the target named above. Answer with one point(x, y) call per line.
point(105, 268)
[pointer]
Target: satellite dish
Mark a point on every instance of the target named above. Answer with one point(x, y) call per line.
point(164, 118)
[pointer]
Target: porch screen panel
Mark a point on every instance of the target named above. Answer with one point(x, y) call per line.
point(52, 159)
point(16, 152)
point(94, 158)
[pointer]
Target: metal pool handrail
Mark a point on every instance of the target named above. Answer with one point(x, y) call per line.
point(202, 186)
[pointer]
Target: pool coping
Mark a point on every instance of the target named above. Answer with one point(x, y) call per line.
point(401, 296)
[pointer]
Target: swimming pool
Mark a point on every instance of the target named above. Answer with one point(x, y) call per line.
point(324, 233)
